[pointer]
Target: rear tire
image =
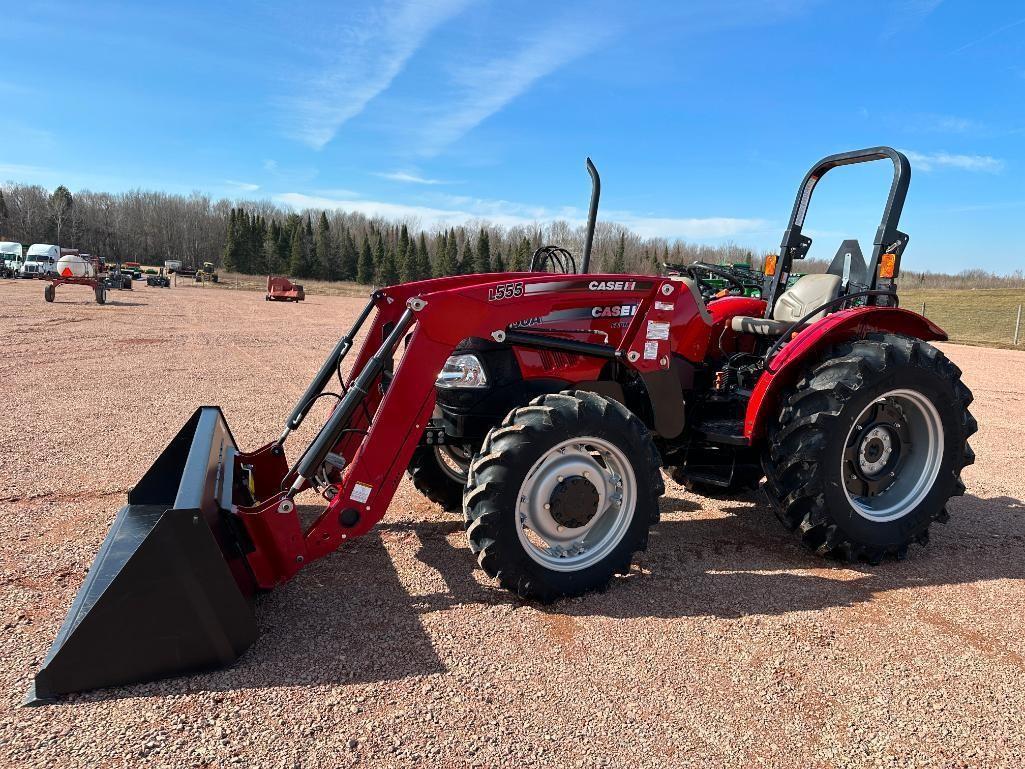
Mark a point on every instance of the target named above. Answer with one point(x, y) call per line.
point(436, 479)
point(49, 293)
point(561, 495)
point(101, 295)
point(869, 447)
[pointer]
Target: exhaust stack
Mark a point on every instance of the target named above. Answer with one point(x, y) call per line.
point(592, 215)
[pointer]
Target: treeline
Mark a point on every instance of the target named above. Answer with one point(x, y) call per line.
point(378, 253)
point(260, 237)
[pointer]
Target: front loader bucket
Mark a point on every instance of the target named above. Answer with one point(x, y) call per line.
point(169, 590)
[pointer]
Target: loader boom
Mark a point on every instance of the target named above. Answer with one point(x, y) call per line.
point(433, 316)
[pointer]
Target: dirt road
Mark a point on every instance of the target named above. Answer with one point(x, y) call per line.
point(728, 646)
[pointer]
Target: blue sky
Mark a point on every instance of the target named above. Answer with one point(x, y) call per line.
point(702, 117)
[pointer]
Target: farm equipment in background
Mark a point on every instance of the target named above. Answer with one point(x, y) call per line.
point(716, 281)
point(557, 398)
point(281, 289)
point(160, 280)
point(207, 274)
point(87, 270)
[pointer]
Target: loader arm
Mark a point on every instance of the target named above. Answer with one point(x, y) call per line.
point(434, 316)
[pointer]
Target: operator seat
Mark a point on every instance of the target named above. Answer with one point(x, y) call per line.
point(809, 292)
point(695, 292)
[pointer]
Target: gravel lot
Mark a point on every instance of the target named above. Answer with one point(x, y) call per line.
point(728, 646)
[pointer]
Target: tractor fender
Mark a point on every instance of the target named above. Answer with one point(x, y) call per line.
point(791, 361)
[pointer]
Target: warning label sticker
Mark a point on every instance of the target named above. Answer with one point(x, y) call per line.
point(668, 307)
point(650, 350)
point(658, 330)
point(360, 492)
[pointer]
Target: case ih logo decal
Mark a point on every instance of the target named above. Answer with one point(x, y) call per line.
point(612, 285)
point(616, 311)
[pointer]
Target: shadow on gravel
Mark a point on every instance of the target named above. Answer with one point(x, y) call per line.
point(345, 619)
point(747, 564)
point(349, 619)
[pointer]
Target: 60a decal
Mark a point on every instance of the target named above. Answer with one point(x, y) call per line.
point(505, 291)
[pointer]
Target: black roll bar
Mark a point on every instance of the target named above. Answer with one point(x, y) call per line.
point(888, 239)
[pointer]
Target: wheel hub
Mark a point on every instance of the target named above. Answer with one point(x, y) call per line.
point(877, 447)
point(574, 502)
point(892, 455)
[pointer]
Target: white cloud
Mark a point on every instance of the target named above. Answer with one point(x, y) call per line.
point(367, 55)
point(510, 214)
point(244, 186)
point(484, 88)
point(923, 161)
point(411, 178)
point(270, 165)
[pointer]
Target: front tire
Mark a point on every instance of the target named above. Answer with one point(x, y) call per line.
point(561, 495)
point(869, 448)
point(439, 473)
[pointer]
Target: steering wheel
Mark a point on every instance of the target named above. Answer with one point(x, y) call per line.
point(727, 274)
point(708, 290)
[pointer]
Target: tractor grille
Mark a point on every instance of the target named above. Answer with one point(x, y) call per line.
point(552, 359)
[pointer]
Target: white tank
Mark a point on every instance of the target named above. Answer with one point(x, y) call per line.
point(74, 266)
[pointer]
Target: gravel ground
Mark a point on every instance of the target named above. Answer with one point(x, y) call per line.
point(728, 646)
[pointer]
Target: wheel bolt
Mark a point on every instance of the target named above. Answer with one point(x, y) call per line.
point(547, 506)
point(561, 479)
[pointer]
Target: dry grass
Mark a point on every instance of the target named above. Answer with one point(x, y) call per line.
point(971, 316)
point(237, 281)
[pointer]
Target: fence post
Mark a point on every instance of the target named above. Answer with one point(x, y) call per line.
point(923, 309)
point(1017, 326)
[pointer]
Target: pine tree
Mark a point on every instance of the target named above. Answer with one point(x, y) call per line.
point(423, 263)
point(520, 256)
point(618, 263)
point(408, 263)
point(466, 261)
point(297, 266)
point(498, 264)
point(283, 251)
point(483, 261)
point(270, 250)
point(380, 256)
point(389, 269)
point(405, 256)
point(450, 264)
point(365, 265)
point(322, 249)
point(347, 267)
point(230, 257)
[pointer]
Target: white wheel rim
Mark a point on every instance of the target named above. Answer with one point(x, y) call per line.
point(564, 547)
point(454, 461)
point(914, 472)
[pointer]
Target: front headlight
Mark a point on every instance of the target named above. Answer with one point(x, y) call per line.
point(462, 371)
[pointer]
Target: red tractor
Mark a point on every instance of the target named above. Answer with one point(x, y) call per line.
point(559, 398)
